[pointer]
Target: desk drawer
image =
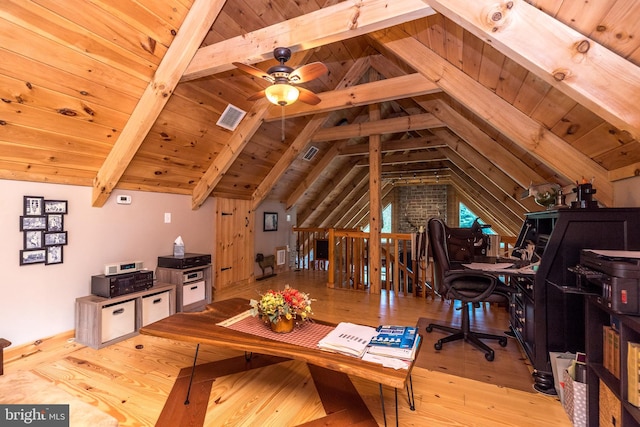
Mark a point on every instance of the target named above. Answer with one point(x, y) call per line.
point(525, 284)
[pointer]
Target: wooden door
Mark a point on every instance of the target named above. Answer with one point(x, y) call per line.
point(233, 232)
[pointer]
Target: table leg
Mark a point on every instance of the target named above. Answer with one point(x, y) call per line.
point(384, 415)
point(410, 398)
point(193, 370)
point(395, 390)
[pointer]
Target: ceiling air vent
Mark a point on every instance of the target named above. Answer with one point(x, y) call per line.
point(231, 117)
point(311, 153)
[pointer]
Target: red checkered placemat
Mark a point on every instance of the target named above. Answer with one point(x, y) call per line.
point(305, 334)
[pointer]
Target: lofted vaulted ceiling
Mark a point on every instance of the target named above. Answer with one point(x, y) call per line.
point(487, 96)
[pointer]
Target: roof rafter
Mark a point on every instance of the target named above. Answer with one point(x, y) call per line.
point(576, 65)
point(196, 25)
point(510, 121)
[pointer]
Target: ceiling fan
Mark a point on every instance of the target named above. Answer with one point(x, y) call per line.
point(284, 78)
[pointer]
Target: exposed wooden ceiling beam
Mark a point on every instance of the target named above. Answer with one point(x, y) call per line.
point(313, 208)
point(193, 30)
point(313, 175)
point(357, 183)
point(601, 80)
point(283, 163)
point(625, 172)
point(341, 205)
point(386, 126)
point(508, 163)
point(414, 169)
point(457, 148)
point(501, 200)
point(364, 94)
point(232, 149)
point(327, 25)
point(515, 125)
point(407, 158)
point(390, 146)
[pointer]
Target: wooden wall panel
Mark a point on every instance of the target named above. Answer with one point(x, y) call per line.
point(233, 253)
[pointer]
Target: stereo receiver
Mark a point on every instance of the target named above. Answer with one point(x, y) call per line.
point(121, 284)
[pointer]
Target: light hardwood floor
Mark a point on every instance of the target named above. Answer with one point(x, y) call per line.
point(131, 380)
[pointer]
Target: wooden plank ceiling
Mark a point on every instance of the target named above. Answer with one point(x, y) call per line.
point(485, 96)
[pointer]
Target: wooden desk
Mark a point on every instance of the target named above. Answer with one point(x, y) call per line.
point(201, 328)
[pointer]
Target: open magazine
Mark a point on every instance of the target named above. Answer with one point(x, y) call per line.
point(348, 338)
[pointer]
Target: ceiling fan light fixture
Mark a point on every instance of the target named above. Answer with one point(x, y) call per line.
point(282, 94)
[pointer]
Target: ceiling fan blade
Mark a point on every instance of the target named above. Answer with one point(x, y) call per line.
point(308, 72)
point(249, 69)
point(308, 97)
point(256, 96)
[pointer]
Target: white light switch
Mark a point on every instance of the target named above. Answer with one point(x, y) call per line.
point(167, 217)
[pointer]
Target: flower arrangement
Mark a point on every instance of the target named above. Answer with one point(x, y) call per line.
point(287, 304)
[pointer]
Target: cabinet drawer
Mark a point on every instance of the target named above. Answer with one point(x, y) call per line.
point(155, 307)
point(193, 292)
point(118, 320)
point(525, 284)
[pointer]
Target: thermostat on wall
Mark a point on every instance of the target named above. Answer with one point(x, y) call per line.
point(124, 200)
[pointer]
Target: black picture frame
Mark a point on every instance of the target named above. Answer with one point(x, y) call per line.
point(33, 205)
point(38, 222)
point(270, 221)
point(55, 222)
point(33, 239)
point(54, 255)
point(36, 256)
point(55, 207)
point(55, 238)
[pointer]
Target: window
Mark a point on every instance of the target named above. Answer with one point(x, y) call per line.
point(386, 220)
point(467, 217)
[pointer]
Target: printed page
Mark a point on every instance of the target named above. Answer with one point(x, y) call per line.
point(348, 338)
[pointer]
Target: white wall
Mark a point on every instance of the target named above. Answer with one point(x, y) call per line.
point(37, 301)
point(626, 193)
point(266, 242)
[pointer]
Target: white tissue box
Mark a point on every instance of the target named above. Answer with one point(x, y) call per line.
point(178, 250)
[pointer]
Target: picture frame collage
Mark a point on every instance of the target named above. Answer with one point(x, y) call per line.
point(42, 225)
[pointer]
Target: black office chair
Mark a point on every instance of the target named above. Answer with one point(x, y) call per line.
point(468, 286)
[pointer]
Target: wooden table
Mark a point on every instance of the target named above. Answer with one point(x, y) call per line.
point(202, 328)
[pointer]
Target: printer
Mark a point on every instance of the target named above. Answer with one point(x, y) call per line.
point(617, 275)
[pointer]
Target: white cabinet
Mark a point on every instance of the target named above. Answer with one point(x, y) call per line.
point(117, 320)
point(102, 321)
point(155, 307)
point(193, 292)
point(194, 289)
